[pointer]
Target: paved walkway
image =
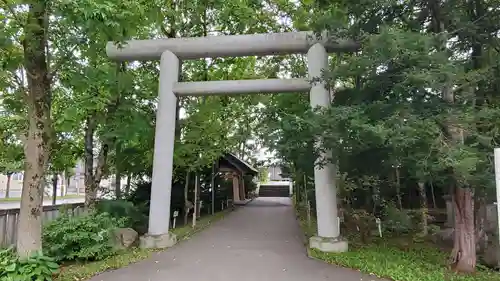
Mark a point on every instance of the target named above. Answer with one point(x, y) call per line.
point(259, 242)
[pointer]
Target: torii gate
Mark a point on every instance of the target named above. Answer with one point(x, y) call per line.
point(170, 51)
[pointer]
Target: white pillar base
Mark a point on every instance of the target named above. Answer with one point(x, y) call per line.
point(330, 245)
point(158, 241)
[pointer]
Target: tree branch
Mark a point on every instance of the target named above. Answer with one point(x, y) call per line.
point(59, 63)
point(14, 14)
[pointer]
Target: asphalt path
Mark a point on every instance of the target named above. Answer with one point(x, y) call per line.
point(261, 241)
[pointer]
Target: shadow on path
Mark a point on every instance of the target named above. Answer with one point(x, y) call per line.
point(261, 241)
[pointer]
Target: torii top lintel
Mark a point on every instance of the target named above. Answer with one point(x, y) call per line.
point(226, 46)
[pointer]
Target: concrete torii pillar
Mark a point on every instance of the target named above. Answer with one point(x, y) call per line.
point(158, 235)
point(328, 238)
point(169, 51)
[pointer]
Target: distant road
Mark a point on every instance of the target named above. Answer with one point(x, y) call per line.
point(17, 193)
point(15, 205)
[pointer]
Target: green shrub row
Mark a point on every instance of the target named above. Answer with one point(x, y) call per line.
point(73, 238)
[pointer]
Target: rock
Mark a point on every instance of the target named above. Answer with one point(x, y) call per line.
point(491, 256)
point(483, 243)
point(443, 237)
point(124, 238)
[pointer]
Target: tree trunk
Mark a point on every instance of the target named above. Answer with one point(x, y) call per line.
point(68, 182)
point(424, 210)
point(118, 176)
point(480, 222)
point(186, 200)
point(93, 178)
point(398, 189)
point(77, 185)
point(118, 184)
point(99, 170)
point(127, 186)
point(195, 200)
point(37, 145)
point(433, 194)
point(212, 185)
point(7, 185)
point(54, 189)
point(463, 257)
point(90, 186)
point(306, 196)
point(63, 183)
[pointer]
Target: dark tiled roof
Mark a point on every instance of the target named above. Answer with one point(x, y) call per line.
point(240, 163)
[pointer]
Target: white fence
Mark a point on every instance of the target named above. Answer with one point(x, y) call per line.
point(9, 219)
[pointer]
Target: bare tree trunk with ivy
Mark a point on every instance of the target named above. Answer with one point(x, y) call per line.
point(37, 145)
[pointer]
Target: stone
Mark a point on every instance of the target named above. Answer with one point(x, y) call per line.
point(491, 256)
point(158, 241)
point(443, 237)
point(483, 243)
point(330, 245)
point(124, 238)
point(491, 221)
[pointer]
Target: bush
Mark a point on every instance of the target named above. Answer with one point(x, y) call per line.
point(86, 237)
point(396, 220)
point(360, 221)
point(131, 215)
point(141, 197)
point(38, 267)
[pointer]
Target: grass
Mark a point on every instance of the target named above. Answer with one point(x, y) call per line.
point(18, 199)
point(395, 258)
point(84, 271)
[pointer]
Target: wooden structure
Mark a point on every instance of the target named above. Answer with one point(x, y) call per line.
point(236, 169)
point(9, 219)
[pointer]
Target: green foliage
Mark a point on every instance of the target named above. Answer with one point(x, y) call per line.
point(126, 211)
point(394, 257)
point(396, 220)
point(84, 271)
point(141, 196)
point(86, 237)
point(38, 267)
point(250, 185)
point(418, 262)
point(388, 110)
point(434, 229)
point(263, 174)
